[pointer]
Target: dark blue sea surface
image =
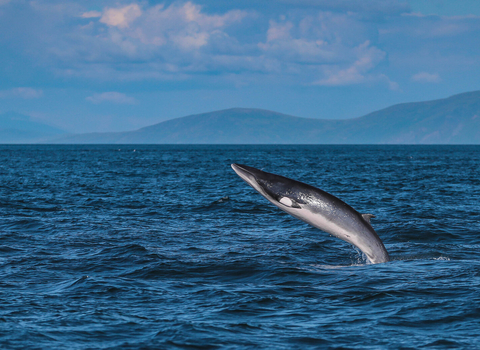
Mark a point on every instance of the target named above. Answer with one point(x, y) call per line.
point(105, 247)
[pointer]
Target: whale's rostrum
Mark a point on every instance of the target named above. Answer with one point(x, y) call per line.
point(317, 208)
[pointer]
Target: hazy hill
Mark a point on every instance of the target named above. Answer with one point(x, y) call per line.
point(453, 120)
point(19, 128)
point(236, 125)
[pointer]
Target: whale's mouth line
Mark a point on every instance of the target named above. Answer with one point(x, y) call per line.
point(241, 171)
point(245, 174)
point(248, 177)
point(239, 167)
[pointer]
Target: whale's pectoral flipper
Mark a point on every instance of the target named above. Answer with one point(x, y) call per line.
point(318, 208)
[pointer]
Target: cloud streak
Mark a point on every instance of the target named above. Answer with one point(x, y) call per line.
point(111, 97)
point(425, 77)
point(21, 92)
point(370, 6)
point(91, 14)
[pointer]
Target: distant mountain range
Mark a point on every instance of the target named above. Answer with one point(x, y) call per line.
point(19, 128)
point(453, 120)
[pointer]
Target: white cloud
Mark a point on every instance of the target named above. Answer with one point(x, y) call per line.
point(392, 85)
point(332, 47)
point(183, 26)
point(137, 42)
point(21, 92)
point(279, 31)
point(313, 40)
point(113, 97)
point(121, 17)
point(425, 77)
point(91, 14)
point(367, 57)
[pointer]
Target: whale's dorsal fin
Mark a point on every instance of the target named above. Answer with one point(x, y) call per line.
point(367, 217)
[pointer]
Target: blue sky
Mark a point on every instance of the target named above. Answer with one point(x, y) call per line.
point(119, 65)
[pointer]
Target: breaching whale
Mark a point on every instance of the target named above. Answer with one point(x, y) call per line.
point(317, 208)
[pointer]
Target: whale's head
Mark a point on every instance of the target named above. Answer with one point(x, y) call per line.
point(285, 193)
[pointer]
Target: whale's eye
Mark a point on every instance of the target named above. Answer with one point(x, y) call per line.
point(288, 202)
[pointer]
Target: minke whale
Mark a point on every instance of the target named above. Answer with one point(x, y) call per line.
point(317, 208)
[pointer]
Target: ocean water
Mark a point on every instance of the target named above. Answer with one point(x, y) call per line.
point(165, 247)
